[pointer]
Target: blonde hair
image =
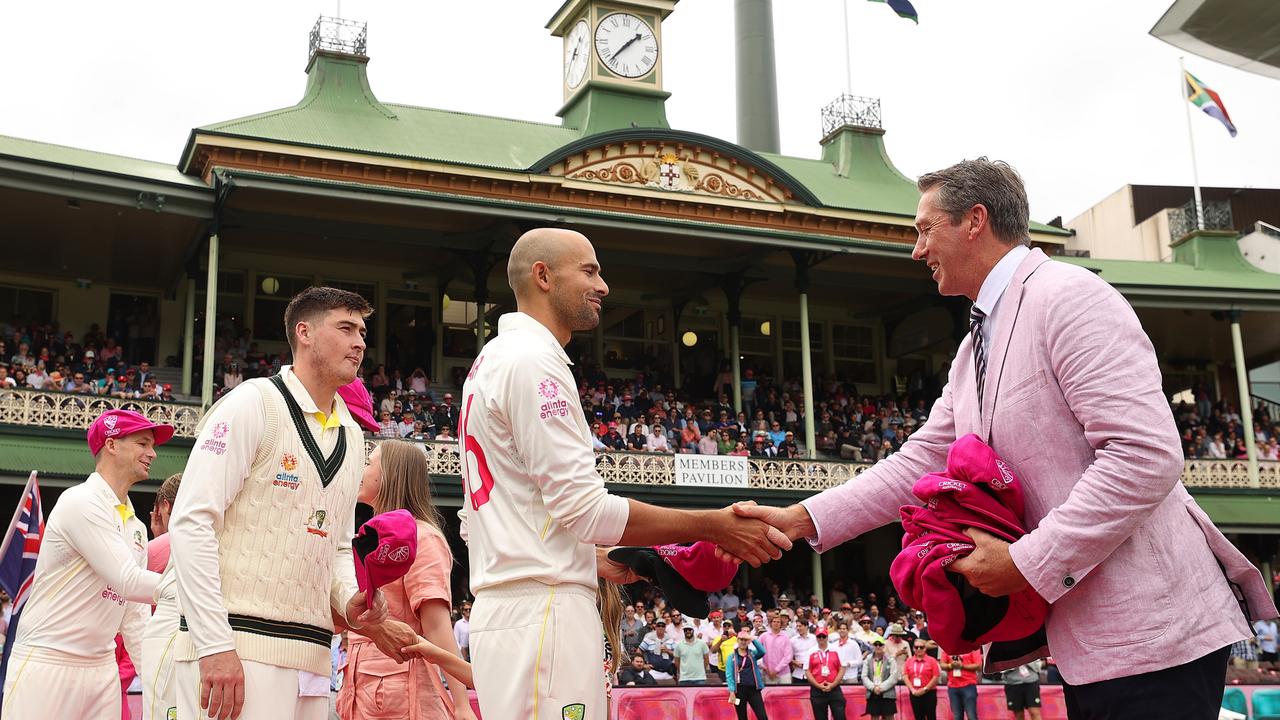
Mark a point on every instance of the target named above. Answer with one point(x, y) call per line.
point(609, 599)
point(406, 483)
point(169, 489)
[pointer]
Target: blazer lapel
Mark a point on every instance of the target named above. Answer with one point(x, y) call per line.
point(1010, 306)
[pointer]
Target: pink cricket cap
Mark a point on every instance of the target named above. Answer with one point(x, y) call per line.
point(359, 404)
point(384, 550)
point(698, 565)
point(118, 423)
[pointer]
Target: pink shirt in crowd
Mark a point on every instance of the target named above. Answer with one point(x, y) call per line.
point(777, 652)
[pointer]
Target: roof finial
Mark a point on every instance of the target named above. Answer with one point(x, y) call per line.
point(332, 34)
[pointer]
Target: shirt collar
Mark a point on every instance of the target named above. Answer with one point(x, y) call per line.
point(340, 415)
point(998, 279)
point(520, 322)
point(108, 496)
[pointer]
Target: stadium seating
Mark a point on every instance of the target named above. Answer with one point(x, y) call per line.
point(1233, 699)
point(1266, 704)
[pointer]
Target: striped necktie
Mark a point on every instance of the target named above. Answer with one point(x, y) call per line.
point(976, 318)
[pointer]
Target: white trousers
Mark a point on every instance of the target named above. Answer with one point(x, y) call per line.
point(537, 652)
point(270, 693)
point(159, 691)
point(49, 684)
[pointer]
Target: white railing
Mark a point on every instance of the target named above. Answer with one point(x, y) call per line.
point(74, 411)
point(70, 411)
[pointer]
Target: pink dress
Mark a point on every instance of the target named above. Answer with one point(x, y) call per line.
point(374, 685)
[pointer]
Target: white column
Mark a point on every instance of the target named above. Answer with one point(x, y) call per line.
point(806, 369)
point(188, 337)
point(815, 563)
point(1246, 404)
point(675, 351)
point(210, 324)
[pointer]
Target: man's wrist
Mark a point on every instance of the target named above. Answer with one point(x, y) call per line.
point(799, 523)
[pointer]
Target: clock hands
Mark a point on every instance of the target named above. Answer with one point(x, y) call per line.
point(626, 45)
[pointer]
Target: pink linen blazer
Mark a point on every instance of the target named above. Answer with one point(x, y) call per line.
point(1137, 576)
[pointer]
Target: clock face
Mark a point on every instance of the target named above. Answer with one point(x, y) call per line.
point(577, 54)
point(626, 45)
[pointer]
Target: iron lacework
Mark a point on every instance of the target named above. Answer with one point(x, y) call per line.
point(332, 34)
point(851, 110)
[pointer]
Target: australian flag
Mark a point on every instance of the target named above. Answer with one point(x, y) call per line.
point(18, 552)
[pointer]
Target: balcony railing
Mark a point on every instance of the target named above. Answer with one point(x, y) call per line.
point(69, 411)
point(1183, 220)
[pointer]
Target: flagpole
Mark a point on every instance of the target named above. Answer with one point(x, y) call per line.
point(848, 64)
point(1191, 141)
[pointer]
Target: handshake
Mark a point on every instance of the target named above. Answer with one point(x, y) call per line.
point(755, 534)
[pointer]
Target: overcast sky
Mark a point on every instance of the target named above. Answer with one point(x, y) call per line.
point(1075, 94)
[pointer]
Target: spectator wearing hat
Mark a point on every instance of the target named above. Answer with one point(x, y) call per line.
point(962, 683)
point(880, 676)
point(612, 438)
point(865, 633)
point(762, 447)
point(659, 649)
point(824, 673)
point(1022, 690)
point(743, 676)
point(446, 412)
point(637, 674)
point(91, 582)
point(921, 673)
point(897, 644)
point(788, 448)
point(725, 643)
point(777, 652)
point(691, 656)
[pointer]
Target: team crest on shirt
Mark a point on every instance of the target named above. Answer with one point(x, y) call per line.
point(286, 479)
point(171, 714)
point(576, 711)
point(315, 523)
point(137, 540)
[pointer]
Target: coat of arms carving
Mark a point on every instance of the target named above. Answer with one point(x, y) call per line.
point(669, 171)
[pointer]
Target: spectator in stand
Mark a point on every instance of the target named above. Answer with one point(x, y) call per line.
point(878, 621)
point(880, 676)
point(788, 448)
point(709, 444)
point(418, 381)
point(405, 427)
point(1267, 637)
point(462, 631)
point(691, 655)
point(776, 434)
point(851, 652)
point(824, 672)
point(612, 439)
point(1022, 690)
point(725, 643)
point(777, 652)
point(633, 629)
point(387, 426)
point(744, 678)
point(921, 673)
point(1244, 654)
point(659, 649)
point(636, 674)
point(802, 646)
point(657, 440)
point(445, 433)
point(446, 412)
point(962, 683)
point(638, 439)
point(897, 644)
point(231, 379)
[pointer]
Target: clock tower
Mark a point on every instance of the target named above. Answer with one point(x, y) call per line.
point(612, 67)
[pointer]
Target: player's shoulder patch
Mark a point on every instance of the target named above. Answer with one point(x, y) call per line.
point(574, 711)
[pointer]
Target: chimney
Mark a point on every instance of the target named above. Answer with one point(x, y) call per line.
point(757, 76)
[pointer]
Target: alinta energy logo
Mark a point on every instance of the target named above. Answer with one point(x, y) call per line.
point(215, 442)
point(555, 406)
point(286, 479)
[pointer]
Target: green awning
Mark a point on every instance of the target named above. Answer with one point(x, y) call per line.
point(69, 458)
point(1241, 510)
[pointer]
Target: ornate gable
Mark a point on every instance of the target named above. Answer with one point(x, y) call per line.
point(679, 163)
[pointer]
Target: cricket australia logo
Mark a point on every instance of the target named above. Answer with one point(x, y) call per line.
point(1006, 476)
point(398, 554)
point(110, 421)
point(315, 524)
point(576, 711)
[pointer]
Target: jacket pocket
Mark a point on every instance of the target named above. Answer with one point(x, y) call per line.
point(1131, 577)
point(381, 686)
point(1022, 390)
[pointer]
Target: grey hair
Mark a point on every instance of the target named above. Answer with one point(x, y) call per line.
point(993, 184)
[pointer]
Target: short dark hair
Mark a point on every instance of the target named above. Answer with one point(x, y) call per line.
point(313, 302)
point(993, 184)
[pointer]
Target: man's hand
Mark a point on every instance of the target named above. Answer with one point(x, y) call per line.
point(222, 685)
point(614, 572)
point(358, 616)
point(743, 538)
point(793, 522)
point(990, 567)
point(390, 636)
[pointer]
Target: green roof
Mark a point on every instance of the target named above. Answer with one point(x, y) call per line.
point(339, 111)
point(68, 457)
point(1204, 260)
point(80, 159)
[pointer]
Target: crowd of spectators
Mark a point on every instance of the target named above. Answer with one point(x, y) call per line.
point(1214, 430)
point(42, 357)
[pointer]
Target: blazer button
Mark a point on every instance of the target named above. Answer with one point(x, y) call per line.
point(1068, 581)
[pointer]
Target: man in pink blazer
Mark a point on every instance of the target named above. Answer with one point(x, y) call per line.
point(1145, 594)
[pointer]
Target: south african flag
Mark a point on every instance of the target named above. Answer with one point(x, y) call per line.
point(1201, 96)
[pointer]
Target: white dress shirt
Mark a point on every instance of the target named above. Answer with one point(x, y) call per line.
point(994, 286)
